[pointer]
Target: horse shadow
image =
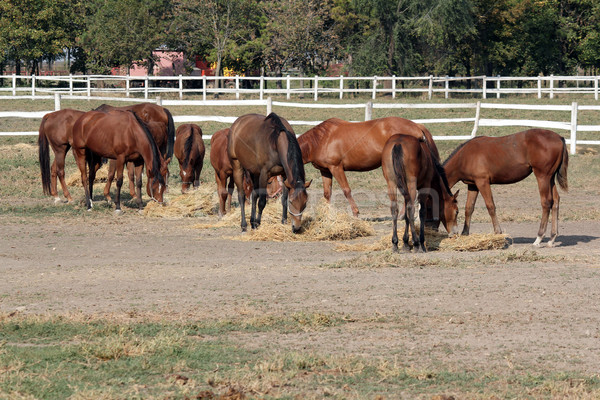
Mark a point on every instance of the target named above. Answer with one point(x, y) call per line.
point(562, 240)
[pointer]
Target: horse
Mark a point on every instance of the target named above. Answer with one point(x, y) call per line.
point(484, 161)
point(221, 163)
point(56, 130)
point(160, 123)
point(411, 165)
point(121, 136)
point(335, 146)
point(267, 147)
point(189, 150)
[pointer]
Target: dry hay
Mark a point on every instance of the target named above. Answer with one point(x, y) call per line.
point(201, 201)
point(438, 241)
point(327, 223)
point(101, 175)
point(271, 215)
point(23, 148)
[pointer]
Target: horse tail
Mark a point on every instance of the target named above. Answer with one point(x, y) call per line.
point(188, 146)
point(398, 164)
point(44, 157)
point(561, 172)
point(170, 134)
point(155, 153)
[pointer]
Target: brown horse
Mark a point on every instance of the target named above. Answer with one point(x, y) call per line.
point(189, 150)
point(221, 163)
point(410, 165)
point(483, 161)
point(266, 147)
point(160, 123)
point(56, 130)
point(121, 136)
point(335, 146)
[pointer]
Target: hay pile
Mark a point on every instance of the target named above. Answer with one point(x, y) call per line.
point(437, 241)
point(324, 223)
point(101, 175)
point(202, 201)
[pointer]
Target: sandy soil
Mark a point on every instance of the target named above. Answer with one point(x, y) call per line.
point(539, 310)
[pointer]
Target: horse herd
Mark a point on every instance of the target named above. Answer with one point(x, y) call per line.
point(257, 149)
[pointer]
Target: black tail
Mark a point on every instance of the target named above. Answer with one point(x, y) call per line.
point(188, 146)
point(44, 157)
point(398, 163)
point(155, 153)
point(561, 172)
point(170, 134)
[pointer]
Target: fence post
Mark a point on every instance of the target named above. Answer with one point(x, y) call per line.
point(476, 124)
point(539, 83)
point(269, 105)
point(159, 101)
point(14, 84)
point(89, 87)
point(484, 95)
point(146, 83)
point(32, 85)
point(393, 86)
point(374, 96)
point(288, 87)
point(446, 87)
point(368, 111)
point(237, 87)
point(262, 86)
point(341, 86)
point(204, 87)
point(71, 84)
point(430, 91)
point(573, 128)
point(552, 87)
point(56, 101)
point(127, 85)
point(316, 87)
point(180, 87)
point(596, 88)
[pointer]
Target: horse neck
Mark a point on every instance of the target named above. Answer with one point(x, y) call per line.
point(282, 149)
point(451, 168)
point(306, 146)
point(147, 154)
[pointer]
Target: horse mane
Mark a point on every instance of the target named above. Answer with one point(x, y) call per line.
point(103, 108)
point(294, 155)
point(314, 136)
point(187, 147)
point(439, 168)
point(170, 133)
point(154, 147)
point(456, 150)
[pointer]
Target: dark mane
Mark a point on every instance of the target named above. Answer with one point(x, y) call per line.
point(170, 133)
point(187, 147)
point(439, 168)
point(314, 136)
point(155, 152)
point(294, 155)
point(103, 108)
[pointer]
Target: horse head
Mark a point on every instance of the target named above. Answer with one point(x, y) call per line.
point(158, 184)
point(297, 199)
point(450, 213)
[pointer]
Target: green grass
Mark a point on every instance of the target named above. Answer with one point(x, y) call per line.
point(71, 357)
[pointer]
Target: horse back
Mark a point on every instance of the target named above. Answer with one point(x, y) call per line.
point(58, 126)
point(219, 159)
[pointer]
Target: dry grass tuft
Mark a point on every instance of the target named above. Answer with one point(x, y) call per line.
point(438, 241)
point(101, 175)
point(326, 223)
point(203, 200)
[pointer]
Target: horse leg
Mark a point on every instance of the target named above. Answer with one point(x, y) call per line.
point(197, 172)
point(393, 195)
point(327, 183)
point(223, 193)
point(469, 207)
point(131, 173)
point(486, 193)
point(94, 164)
point(81, 161)
point(340, 177)
point(262, 195)
point(285, 193)
point(410, 212)
point(555, 204)
point(238, 177)
point(138, 184)
point(119, 169)
point(58, 170)
point(253, 201)
point(545, 188)
point(109, 178)
point(422, 216)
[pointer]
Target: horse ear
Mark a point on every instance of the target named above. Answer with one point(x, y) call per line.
point(456, 194)
point(287, 184)
point(168, 160)
point(307, 184)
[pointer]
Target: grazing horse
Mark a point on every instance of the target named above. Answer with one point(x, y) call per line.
point(484, 161)
point(189, 150)
point(410, 165)
point(335, 146)
point(266, 147)
point(221, 163)
point(121, 136)
point(160, 123)
point(56, 130)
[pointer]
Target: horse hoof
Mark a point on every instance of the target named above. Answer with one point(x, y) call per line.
point(118, 212)
point(57, 200)
point(537, 242)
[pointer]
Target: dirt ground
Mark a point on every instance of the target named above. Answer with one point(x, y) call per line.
point(514, 308)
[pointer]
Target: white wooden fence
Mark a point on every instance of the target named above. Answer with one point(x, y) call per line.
point(569, 124)
point(477, 86)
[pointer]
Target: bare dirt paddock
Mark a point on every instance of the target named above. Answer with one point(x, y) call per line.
point(519, 308)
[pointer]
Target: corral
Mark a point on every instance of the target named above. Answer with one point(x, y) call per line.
point(98, 306)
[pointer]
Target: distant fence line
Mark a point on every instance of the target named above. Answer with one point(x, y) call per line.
point(478, 86)
point(570, 125)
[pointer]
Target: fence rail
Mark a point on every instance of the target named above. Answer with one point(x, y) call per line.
point(262, 86)
point(569, 125)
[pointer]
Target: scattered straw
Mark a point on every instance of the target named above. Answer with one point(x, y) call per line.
point(327, 223)
point(202, 201)
point(101, 175)
point(437, 241)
